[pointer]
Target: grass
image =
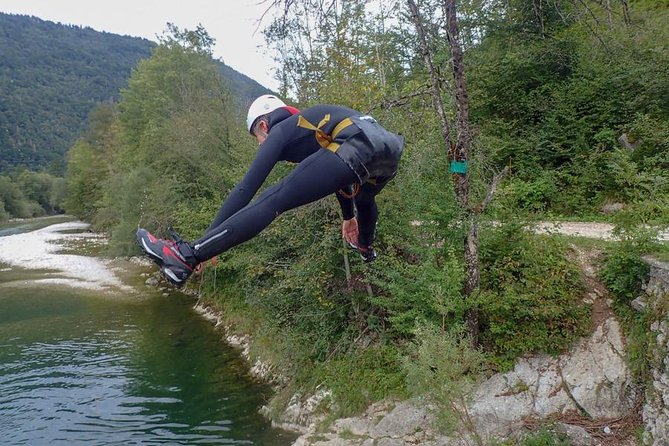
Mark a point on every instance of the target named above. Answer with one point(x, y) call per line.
point(662, 253)
point(584, 242)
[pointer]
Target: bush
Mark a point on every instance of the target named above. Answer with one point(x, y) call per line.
point(15, 202)
point(624, 270)
point(442, 367)
point(532, 195)
point(531, 294)
point(362, 377)
point(4, 215)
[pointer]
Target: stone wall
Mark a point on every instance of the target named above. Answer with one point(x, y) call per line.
point(656, 406)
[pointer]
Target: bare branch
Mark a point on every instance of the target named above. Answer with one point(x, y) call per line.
point(427, 57)
point(491, 190)
point(594, 32)
point(399, 101)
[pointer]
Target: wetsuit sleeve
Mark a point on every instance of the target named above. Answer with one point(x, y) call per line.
point(268, 155)
point(346, 205)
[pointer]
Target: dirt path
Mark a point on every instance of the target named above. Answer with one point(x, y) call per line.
point(602, 231)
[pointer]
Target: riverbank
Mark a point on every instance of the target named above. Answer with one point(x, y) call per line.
point(43, 251)
point(587, 394)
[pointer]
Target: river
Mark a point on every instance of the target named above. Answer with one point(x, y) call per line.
point(90, 355)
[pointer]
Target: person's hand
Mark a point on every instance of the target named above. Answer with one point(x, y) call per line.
point(200, 266)
point(349, 230)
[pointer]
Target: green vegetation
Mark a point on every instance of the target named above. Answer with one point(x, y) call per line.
point(443, 367)
point(26, 194)
point(163, 154)
point(53, 75)
point(552, 93)
point(623, 272)
point(545, 438)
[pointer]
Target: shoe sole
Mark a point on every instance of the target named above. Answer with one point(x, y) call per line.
point(171, 277)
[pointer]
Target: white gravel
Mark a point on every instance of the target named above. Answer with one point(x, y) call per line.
point(39, 250)
point(591, 230)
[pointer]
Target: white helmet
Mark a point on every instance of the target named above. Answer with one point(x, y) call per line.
point(264, 104)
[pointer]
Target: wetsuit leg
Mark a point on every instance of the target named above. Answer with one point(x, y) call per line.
point(368, 214)
point(319, 175)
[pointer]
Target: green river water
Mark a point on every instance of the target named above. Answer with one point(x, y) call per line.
point(90, 368)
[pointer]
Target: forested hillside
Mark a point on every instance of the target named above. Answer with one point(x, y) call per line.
point(51, 77)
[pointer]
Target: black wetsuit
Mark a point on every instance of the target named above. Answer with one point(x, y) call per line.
point(333, 153)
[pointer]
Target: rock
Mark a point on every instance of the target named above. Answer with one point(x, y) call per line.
point(594, 372)
point(597, 375)
point(300, 415)
point(390, 442)
point(609, 208)
point(629, 143)
point(532, 388)
point(152, 282)
point(577, 435)
point(356, 426)
point(640, 304)
point(403, 420)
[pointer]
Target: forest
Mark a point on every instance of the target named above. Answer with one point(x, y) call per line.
point(51, 77)
point(565, 116)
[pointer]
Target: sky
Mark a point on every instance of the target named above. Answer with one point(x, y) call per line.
point(233, 23)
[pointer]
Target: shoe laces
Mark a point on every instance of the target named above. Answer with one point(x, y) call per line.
point(174, 235)
point(179, 244)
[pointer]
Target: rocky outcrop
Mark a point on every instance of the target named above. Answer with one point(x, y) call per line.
point(591, 380)
point(656, 406)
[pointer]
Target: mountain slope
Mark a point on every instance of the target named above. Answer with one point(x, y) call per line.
point(52, 75)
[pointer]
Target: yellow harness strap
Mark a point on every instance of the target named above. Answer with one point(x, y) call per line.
point(324, 140)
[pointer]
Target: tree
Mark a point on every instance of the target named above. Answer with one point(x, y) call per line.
point(163, 155)
point(458, 147)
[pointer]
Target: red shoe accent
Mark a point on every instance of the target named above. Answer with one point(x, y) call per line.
point(167, 252)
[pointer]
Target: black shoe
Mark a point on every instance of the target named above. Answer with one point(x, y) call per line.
point(151, 245)
point(176, 274)
point(175, 258)
point(367, 254)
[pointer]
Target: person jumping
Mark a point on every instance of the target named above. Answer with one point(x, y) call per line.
point(339, 150)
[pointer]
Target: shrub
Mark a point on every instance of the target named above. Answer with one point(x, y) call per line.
point(530, 296)
point(442, 367)
point(624, 270)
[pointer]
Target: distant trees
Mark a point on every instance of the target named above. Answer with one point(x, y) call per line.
point(51, 76)
point(26, 194)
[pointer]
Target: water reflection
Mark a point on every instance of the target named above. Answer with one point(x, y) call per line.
point(78, 367)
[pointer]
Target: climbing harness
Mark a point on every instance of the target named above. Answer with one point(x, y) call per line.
point(324, 140)
point(354, 192)
point(327, 141)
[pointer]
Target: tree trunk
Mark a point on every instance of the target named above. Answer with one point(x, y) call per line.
point(626, 13)
point(457, 151)
point(434, 78)
point(461, 153)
